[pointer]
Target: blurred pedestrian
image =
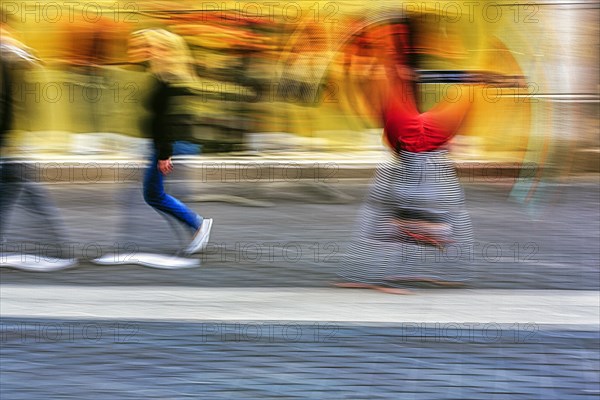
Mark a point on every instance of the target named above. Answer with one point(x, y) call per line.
point(415, 209)
point(14, 173)
point(168, 59)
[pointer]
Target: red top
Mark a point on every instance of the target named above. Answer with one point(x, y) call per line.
point(407, 129)
point(404, 126)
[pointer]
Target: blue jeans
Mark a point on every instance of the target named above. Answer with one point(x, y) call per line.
point(155, 196)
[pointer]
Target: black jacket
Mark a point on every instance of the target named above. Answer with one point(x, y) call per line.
point(12, 60)
point(162, 121)
point(5, 99)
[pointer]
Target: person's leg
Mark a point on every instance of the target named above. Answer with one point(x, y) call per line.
point(40, 204)
point(36, 200)
point(155, 196)
point(10, 187)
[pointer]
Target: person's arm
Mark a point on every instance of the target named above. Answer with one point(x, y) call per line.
point(160, 129)
point(163, 134)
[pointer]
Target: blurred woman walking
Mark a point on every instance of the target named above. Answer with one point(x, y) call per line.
point(414, 216)
point(168, 59)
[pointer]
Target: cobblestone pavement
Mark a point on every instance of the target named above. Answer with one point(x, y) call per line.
point(299, 241)
point(75, 359)
point(296, 245)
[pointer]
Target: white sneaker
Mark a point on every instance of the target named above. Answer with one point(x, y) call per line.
point(200, 239)
point(25, 263)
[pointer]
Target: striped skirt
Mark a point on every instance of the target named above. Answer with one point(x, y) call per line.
point(413, 224)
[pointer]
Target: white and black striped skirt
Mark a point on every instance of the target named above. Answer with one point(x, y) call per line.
point(413, 224)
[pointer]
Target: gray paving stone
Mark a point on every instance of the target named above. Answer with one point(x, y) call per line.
point(167, 361)
point(556, 248)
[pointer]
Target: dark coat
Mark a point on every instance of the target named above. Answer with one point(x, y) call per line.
point(6, 103)
point(12, 59)
point(162, 126)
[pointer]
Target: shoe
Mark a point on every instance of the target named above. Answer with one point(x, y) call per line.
point(30, 264)
point(200, 239)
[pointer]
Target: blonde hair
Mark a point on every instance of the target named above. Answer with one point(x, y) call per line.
point(177, 64)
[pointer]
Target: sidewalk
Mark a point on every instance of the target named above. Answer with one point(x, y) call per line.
point(259, 320)
point(301, 239)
